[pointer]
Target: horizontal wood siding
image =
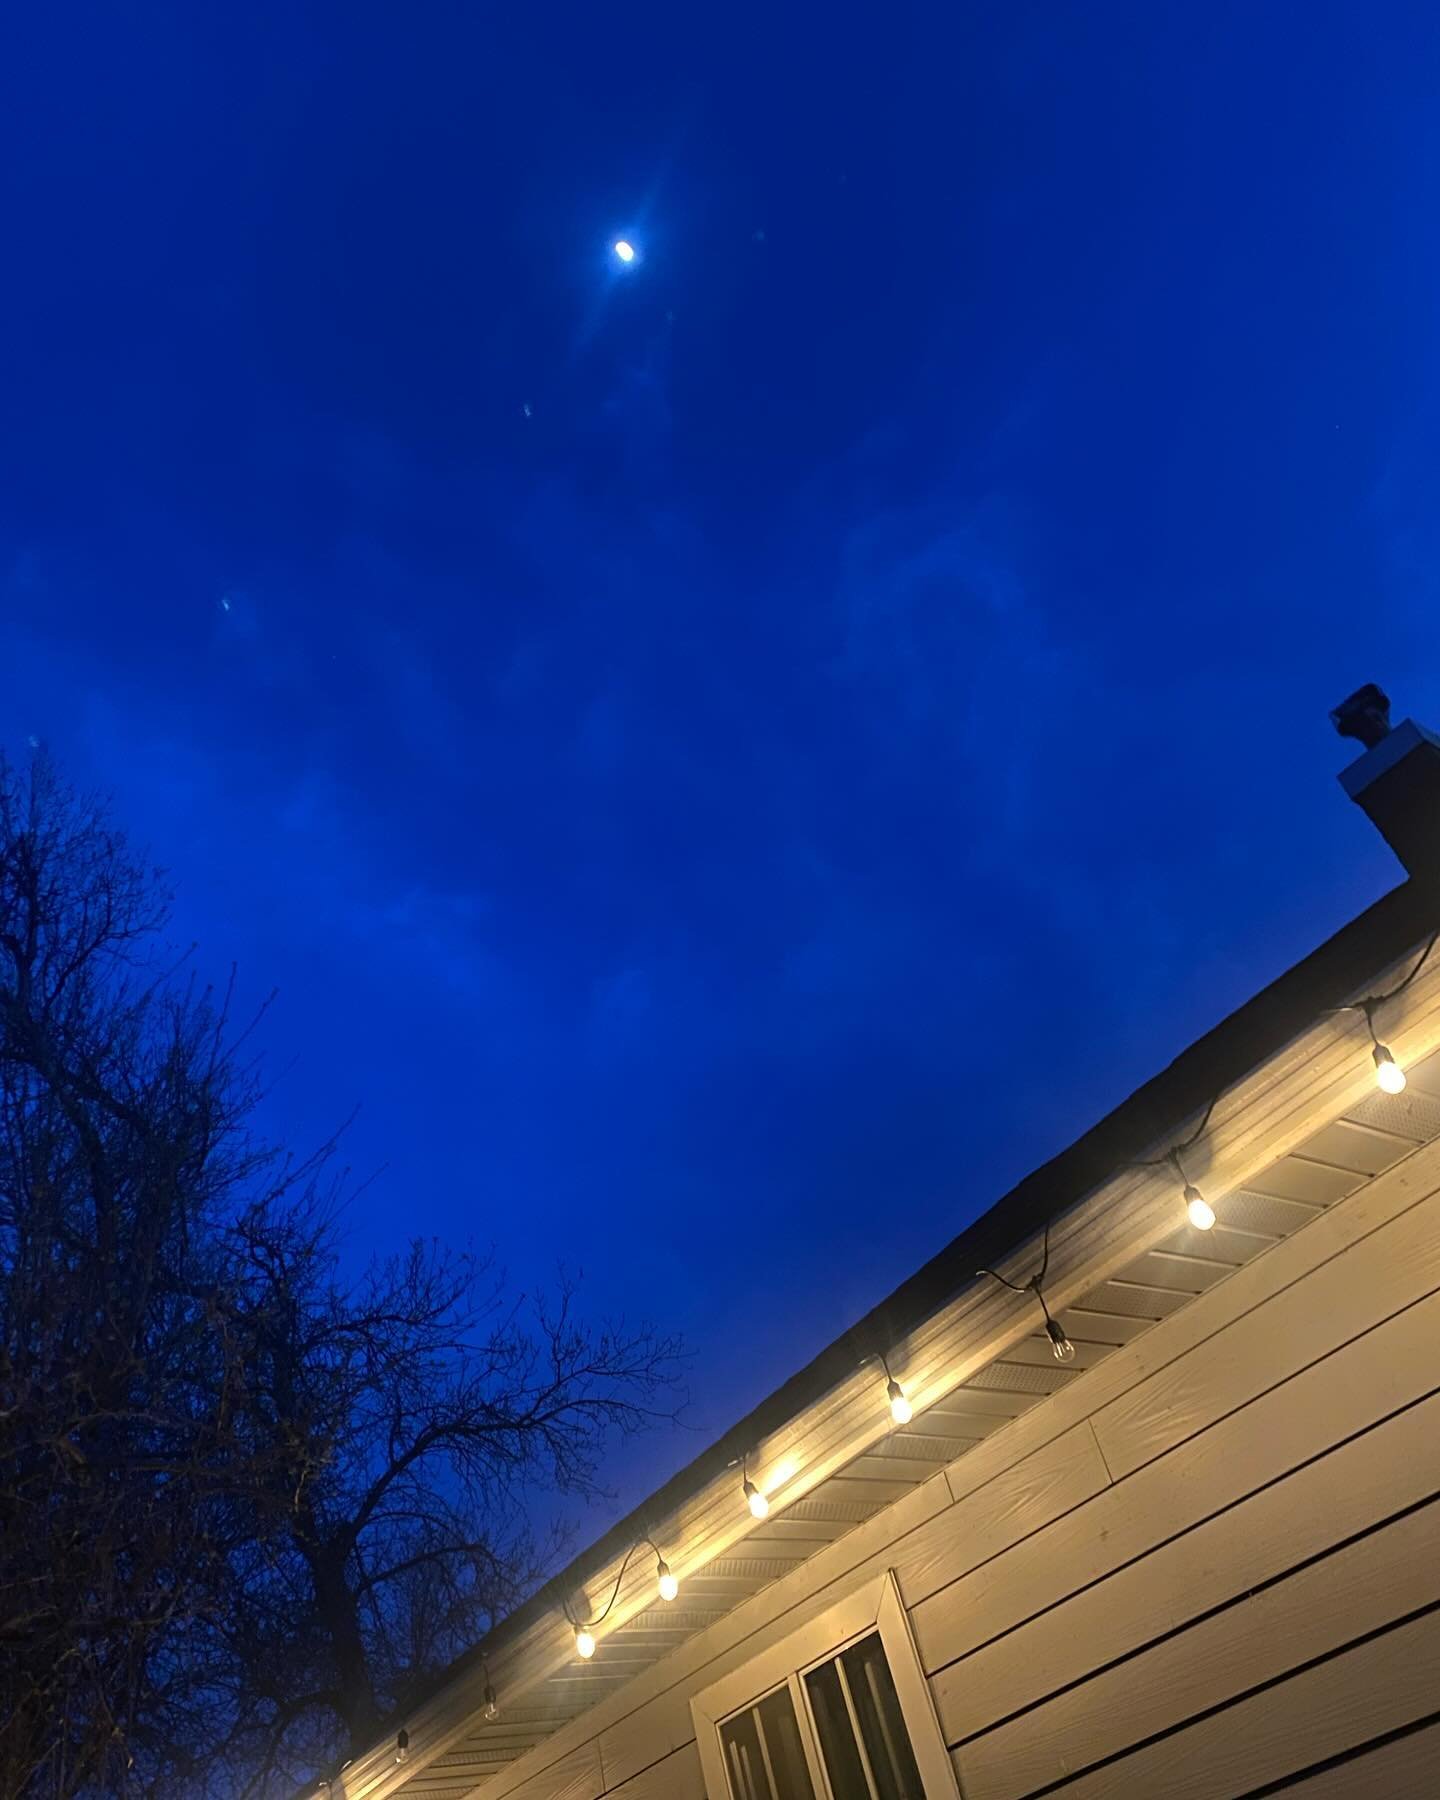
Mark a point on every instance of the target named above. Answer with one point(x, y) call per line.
point(1405, 1764)
point(1273, 1518)
point(674, 1777)
point(1297, 1618)
point(1209, 1567)
point(1206, 1566)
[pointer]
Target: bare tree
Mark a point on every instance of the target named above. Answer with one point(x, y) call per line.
point(247, 1507)
point(409, 1422)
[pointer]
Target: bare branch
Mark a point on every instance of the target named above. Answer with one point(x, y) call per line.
point(247, 1505)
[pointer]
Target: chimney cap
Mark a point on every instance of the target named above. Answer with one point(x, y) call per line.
point(1365, 715)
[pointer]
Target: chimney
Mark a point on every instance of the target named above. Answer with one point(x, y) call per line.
point(1397, 780)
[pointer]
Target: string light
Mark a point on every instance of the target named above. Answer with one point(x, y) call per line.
point(1060, 1346)
point(1198, 1209)
point(759, 1506)
point(665, 1579)
point(901, 1411)
point(584, 1630)
point(1389, 1076)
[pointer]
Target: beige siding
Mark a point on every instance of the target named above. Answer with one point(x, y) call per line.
point(1404, 1765)
point(1257, 1640)
point(575, 1777)
point(1204, 1567)
point(1210, 1567)
point(674, 1777)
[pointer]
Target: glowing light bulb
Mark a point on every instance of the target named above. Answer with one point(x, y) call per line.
point(1060, 1346)
point(1389, 1076)
point(624, 250)
point(584, 1643)
point(755, 1500)
point(1202, 1213)
point(669, 1586)
point(492, 1705)
point(901, 1411)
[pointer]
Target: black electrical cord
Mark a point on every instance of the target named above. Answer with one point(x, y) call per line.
point(1176, 1151)
point(600, 1618)
point(1400, 986)
point(1064, 1350)
point(1368, 1005)
point(589, 1624)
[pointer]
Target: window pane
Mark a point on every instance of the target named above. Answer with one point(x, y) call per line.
point(882, 1725)
point(837, 1736)
point(782, 1740)
point(763, 1755)
point(743, 1762)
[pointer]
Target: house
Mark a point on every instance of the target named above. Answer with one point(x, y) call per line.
point(1153, 1509)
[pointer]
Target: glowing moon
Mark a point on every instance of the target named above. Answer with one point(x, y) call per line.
point(624, 250)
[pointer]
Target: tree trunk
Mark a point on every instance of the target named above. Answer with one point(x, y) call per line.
point(340, 1617)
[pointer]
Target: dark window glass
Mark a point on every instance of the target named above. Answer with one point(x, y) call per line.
point(838, 1748)
point(882, 1725)
point(743, 1763)
point(764, 1758)
point(782, 1742)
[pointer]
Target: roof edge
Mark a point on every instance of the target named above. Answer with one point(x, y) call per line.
point(1240, 1042)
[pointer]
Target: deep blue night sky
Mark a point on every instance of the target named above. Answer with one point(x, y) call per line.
point(731, 761)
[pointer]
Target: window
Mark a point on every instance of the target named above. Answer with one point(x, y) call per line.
point(863, 1741)
point(860, 1734)
point(839, 1710)
point(764, 1753)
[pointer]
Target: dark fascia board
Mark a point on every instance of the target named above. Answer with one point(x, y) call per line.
point(1239, 1043)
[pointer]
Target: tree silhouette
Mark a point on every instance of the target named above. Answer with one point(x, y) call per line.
point(248, 1507)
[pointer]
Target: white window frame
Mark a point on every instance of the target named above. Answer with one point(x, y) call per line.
point(875, 1607)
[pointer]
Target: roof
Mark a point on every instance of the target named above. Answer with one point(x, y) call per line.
point(1212, 1063)
point(1245, 1039)
point(1154, 1115)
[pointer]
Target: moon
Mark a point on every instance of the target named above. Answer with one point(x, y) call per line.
point(625, 250)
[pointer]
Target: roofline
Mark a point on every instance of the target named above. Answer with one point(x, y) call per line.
point(1241, 1041)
